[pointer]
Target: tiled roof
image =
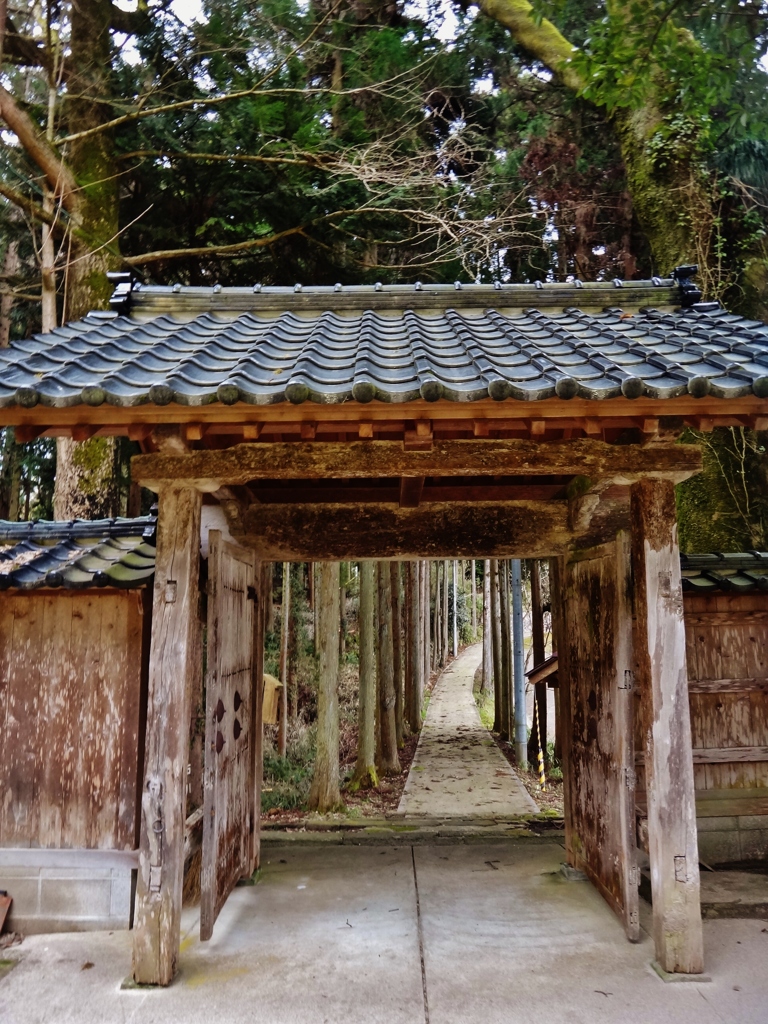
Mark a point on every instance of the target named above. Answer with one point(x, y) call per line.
point(102, 553)
point(195, 346)
point(732, 573)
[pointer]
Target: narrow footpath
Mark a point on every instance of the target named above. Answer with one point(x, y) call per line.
point(458, 771)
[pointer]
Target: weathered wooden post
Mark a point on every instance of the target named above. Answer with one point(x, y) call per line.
point(665, 718)
point(175, 662)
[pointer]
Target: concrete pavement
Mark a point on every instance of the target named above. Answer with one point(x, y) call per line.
point(458, 770)
point(334, 934)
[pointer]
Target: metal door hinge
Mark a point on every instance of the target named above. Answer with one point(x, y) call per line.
point(629, 680)
point(630, 778)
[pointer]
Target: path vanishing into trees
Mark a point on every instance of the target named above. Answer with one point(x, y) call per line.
point(458, 770)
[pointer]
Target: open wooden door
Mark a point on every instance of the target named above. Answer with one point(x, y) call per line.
point(228, 726)
point(597, 687)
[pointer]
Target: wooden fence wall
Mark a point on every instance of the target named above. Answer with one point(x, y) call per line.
point(72, 694)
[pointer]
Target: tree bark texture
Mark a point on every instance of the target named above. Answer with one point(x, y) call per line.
point(487, 675)
point(397, 648)
point(507, 710)
point(324, 794)
point(446, 610)
point(539, 726)
point(425, 620)
point(414, 650)
point(473, 568)
point(365, 767)
point(388, 759)
point(497, 646)
point(282, 732)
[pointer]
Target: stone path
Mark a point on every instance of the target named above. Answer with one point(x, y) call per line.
point(458, 771)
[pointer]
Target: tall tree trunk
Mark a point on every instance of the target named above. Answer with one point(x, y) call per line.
point(434, 597)
point(506, 653)
point(438, 618)
point(425, 619)
point(324, 793)
point(365, 767)
point(398, 651)
point(539, 726)
point(487, 676)
point(343, 579)
point(446, 614)
point(473, 570)
point(414, 690)
point(11, 267)
point(270, 574)
point(282, 735)
point(86, 472)
point(388, 759)
point(496, 645)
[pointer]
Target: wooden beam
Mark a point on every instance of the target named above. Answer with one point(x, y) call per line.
point(411, 488)
point(367, 459)
point(26, 433)
point(304, 494)
point(559, 413)
point(83, 432)
point(365, 430)
point(343, 532)
point(420, 438)
point(174, 668)
point(659, 644)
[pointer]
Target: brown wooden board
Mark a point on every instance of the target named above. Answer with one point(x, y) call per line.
point(601, 813)
point(69, 747)
point(228, 795)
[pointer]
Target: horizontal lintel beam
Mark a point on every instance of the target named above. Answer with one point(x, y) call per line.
point(371, 459)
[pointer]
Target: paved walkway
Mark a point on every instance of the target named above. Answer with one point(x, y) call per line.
point(480, 934)
point(458, 771)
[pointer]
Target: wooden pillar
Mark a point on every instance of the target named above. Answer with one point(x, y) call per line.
point(175, 664)
point(662, 681)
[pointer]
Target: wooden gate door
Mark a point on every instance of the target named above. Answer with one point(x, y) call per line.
point(228, 739)
point(598, 685)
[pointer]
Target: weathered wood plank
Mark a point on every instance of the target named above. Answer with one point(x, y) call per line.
point(666, 727)
point(370, 459)
point(228, 715)
point(722, 755)
point(175, 655)
point(728, 685)
point(341, 532)
point(598, 646)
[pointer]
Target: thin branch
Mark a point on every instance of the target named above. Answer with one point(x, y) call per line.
point(256, 90)
point(220, 157)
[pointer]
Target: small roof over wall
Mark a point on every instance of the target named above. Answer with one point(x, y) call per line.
point(733, 573)
point(78, 554)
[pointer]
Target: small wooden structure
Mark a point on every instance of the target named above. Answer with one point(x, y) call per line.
point(725, 600)
point(74, 657)
point(412, 422)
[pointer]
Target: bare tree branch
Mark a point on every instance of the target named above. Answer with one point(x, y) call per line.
point(60, 178)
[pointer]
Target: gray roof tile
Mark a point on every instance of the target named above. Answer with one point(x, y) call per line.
point(77, 554)
point(194, 347)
